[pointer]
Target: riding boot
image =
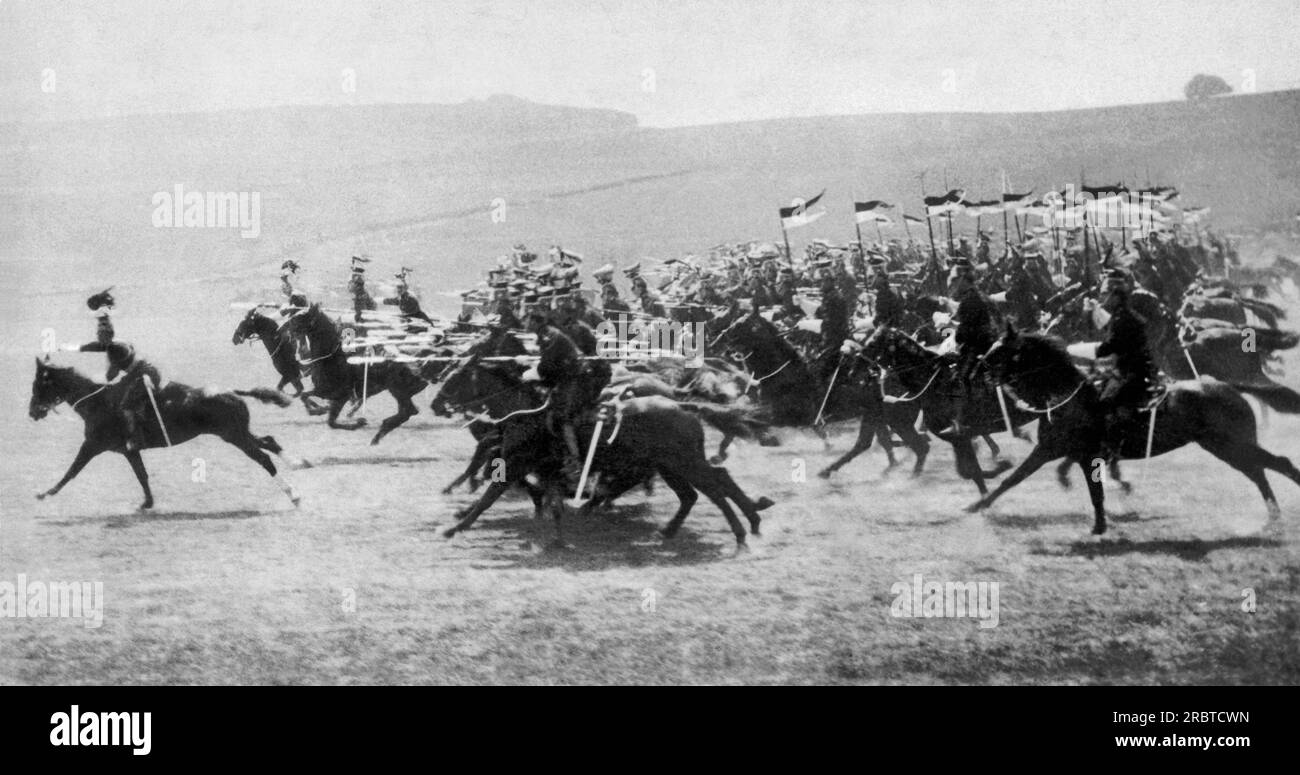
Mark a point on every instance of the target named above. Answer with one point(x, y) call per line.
point(134, 438)
point(573, 454)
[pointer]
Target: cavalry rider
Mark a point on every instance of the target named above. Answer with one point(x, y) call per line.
point(646, 300)
point(361, 300)
point(125, 371)
point(835, 316)
point(889, 307)
point(408, 304)
point(975, 332)
point(1128, 388)
point(575, 384)
point(288, 273)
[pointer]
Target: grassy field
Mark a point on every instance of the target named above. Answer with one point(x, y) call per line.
point(226, 583)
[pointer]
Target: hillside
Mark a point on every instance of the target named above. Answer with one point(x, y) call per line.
point(413, 184)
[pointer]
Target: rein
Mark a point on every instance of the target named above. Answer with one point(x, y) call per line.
point(904, 398)
point(101, 389)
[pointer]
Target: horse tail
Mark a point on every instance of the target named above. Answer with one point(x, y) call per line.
point(1274, 339)
point(266, 396)
point(1277, 397)
point(733, 421)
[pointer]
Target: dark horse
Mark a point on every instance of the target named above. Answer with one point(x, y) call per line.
point(1207, 412)
point(647, 435)
point(487, 437)
point(337, 381)
point(279, 345)
point(785, 379)
point(932, 383)
point(187, 412)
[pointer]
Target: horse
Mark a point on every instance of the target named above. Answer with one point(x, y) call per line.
point(337, 381)
point(732, 422)
point(186, 413)
point(932, 383)
point(280, 346)
point(650, 435)
point(1207, 412)
point(783, 379)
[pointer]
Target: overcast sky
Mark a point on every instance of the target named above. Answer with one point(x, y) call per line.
point(670, 63)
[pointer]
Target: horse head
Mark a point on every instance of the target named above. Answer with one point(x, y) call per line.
point(459, 387)
point(249, 328)
point(48, 389)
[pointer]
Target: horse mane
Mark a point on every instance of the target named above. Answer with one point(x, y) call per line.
point(1053, 370)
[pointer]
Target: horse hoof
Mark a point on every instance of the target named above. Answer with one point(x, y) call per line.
point(742, 548)
point(763, 503)
point(666, 533)
point(446, 491)
point(449, 533)
point(1098, 530)
point(825, 473)
point(974, 507)
point(145, 506)
point(40, 496)
point(717, 460)
point(297, 501)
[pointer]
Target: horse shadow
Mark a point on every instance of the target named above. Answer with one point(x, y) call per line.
point(117, 521)
point(372, 460)
point(624, 536)
point(1189, 549)
point(1033, 522)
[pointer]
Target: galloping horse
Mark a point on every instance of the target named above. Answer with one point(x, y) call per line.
point(337, 381)
point(186, 412)
point(280, 346)
point(1206, 412)
point(652, 435)
point(784, 379)
point(933, 385)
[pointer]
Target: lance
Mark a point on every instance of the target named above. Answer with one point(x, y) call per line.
point(148, 389)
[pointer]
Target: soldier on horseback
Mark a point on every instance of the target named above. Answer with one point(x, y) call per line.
point(1128, 388)
point(361, 299)
point(404, 301)
point(125, 370)
point(975, 333)
point(836, 318)
point(575, 384)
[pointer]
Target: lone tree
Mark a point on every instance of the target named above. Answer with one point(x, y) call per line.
point(1203, 87)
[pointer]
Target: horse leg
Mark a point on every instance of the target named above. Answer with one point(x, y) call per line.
point(405, 411)
point(686, 496)
point(137, 465)
point(336, 406)
point(477, 461)
point(748, 507)
point(1037, 459)
point(1251, 460)
point(87, 453)
point(1063, 473)
point(466, 518)
point(722, 448)
point(1112, 468)
point(705, 480)
point(252, 446)
point(918, 442)
point(968, 466)
point(866, 433)
point(994, 449)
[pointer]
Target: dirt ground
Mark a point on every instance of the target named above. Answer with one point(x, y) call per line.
point(226, 583)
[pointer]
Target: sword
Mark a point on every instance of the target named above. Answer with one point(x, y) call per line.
point(148, 389)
